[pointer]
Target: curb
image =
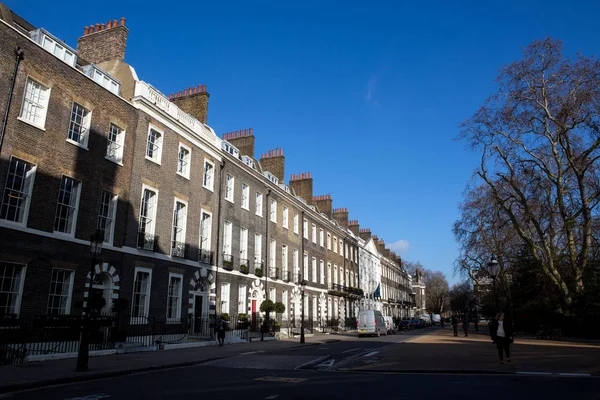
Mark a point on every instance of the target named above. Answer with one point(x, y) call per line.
point(431, 371)
point(114, 374)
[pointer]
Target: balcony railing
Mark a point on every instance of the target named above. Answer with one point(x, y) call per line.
point(205, 256)
point(178, 249)
point(244, 266)
point(352, 291)
point(146, 241)
point(228, 262)
point(258, 269)
point(274, 273)
point(286, 276)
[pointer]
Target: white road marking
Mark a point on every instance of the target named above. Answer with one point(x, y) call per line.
point(535, 373)
point(351, 350)
point(273, 396)
point(327, 364)
point(571, 374)
point(312, 362)
point(280, 379)
point(371, 354)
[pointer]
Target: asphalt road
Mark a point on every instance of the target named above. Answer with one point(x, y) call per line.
point(219, 383)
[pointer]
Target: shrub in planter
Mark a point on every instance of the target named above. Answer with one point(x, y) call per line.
point(244, 269)
point(267, 306)
point(242, 317)
point(258, 272)
point(225, 316)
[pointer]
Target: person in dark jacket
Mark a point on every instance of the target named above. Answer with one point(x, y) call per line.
point(221, 331)
point(502, 335)
point(465, 323)
point(454, 321)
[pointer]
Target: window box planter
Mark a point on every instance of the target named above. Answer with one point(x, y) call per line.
point(244, 269)
point(258, 272)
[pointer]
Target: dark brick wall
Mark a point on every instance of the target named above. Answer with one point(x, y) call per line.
point(324, 204)
point(103, 45)
point(49, 149)
point(341, 216)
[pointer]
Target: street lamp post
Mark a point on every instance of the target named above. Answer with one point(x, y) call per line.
point(493, 269)
point(96, 241)
point(302, 288)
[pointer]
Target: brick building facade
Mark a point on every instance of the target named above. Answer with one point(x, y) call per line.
point(193, 223)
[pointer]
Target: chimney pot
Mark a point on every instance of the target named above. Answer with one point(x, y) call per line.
point(185, 92)
point(122, 21)
point(109, 25)
point(85, 31)
point(115, 23)
point(97, 27)
point(250, 131)
point(180, 93)
point(171, 96)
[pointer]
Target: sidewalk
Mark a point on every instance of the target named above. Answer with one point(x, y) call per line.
point(440, 351)
point(46, 373)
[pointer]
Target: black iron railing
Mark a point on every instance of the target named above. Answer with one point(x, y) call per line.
point(178, 249)
point(146, 241)
point(274, 273)
point(205, 256)
point(228, 262)
point(258, 269)
point(244, 266)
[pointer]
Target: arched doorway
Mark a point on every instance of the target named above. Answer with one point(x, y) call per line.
point(102, 288)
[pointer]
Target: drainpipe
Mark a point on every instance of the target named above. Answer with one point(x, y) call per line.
point(217, 260)
point(19, 56)
point(266, 266)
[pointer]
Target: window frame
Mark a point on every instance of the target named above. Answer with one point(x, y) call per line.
point(273, 211)
point(227, 238)
point(84, 126)
point(321, 237)
point(228, 301)
point(46, 90)
point(242, 299)
point(75, 208)
point(173, 226)
point(229, 188)
point(120, 142)
point(296, 223)
point(29, 182)
point(259, 204)
point(211, 185)
point(284, 217)
point(112, 210)
point(185, 173)
point(177, 318)
point(21, 283)
point(205, 245)
point(245, 196)
point(154, 211)
point(314, 233)
point(158, 144)
point(141, 319)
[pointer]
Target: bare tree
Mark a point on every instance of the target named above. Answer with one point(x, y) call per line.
point(436, 291)
point(411, 267)
point(540, 139)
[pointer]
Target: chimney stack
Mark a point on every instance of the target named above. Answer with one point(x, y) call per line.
point(274, 162)
point(341, 216)
point(243, 140)
point(103, 42)
point(324, 203)
point(193, 101)
point(302, 184)
point(365, 233)
point(354, 227)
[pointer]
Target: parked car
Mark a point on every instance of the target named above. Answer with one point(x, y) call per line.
point(417, 323)
point(389, 323)
point(370, 322)
point(406, 325)
point(437, 319)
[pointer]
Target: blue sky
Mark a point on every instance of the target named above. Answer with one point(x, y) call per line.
point(366, 96)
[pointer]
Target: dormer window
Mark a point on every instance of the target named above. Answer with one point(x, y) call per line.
point(103, 79)
point(272, 177)
point(56, 47)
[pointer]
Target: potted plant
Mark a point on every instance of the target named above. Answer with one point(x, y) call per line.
point(258, 272)
point(242, 321)
point(228, 264)
point(225, 316)
point(244, 269)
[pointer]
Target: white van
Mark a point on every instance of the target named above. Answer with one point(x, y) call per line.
point(370, 322)
point(437, 318)
point(389, 323)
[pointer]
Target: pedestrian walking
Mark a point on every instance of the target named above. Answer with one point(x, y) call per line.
point(221, 331)
point(502, 335)
point(465, 323)
point(442, 322)
point(454, 322)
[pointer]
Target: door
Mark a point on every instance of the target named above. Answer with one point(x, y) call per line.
point(198, 314)
point(255, 316)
